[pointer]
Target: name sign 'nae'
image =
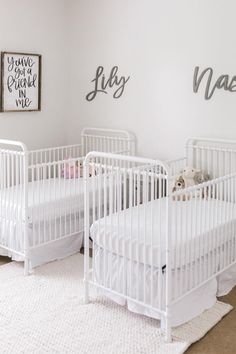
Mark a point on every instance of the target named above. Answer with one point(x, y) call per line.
point(222, 82)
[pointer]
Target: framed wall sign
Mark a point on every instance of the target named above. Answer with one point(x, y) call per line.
point(20, 82)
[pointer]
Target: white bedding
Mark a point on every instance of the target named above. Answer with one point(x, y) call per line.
point(122, 259)
point(60, 248)
point(126, 277)
point(128, 233)
point(123, 279)
point(47, 198)
point(56, 209)
point(39, 252)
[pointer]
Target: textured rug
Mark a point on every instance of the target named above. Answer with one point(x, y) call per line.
point(44, 313)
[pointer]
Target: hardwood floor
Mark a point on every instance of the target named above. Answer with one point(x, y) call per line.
point(4, 260)
point(222, 338)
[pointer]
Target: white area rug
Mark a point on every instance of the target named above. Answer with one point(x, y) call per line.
point(44, 313)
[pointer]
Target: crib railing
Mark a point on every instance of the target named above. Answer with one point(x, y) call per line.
point(57, 199)
point(204, 237)
point(46, 209)
point(213, 156)
point(92, 139)
point(216, 157)
point(170, 243)
point(107, 140)
point(125, 231)
point(176, 166)
point(54, 154)
point(39, 203)
point(41, 191)
point(14, 195)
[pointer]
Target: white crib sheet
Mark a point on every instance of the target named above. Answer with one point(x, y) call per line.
point(124, 233)
point(47, 198)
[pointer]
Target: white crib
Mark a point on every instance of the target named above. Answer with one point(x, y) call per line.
point(42, 195)
point(160, 253)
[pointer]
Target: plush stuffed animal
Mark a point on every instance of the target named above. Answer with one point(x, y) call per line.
point(189, 178)
point(178, 184)
point(201, 177)
point(75, 170)
point(92, 170)
point(70, 170)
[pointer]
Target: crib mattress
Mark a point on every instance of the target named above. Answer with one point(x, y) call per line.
point(128, 233)
point(47, 199)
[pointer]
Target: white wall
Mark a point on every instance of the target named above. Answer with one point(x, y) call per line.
point(38, 27)
point(158, 43)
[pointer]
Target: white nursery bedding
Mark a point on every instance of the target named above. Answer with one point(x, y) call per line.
point(41, 251)
point(47, 198)
point(56, 209)
point(118, 234)
point(129, 278)
point(129, 261)
point(121, 275)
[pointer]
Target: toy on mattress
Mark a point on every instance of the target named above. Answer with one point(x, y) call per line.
point(188, 178)
point(74, 169)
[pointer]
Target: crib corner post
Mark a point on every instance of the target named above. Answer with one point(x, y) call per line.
point(86, 229)
point(25, 205)
point(86, 291)
point(168, 335)
point(26, 267)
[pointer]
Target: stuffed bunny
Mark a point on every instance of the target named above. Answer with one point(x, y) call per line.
point(189, 176)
